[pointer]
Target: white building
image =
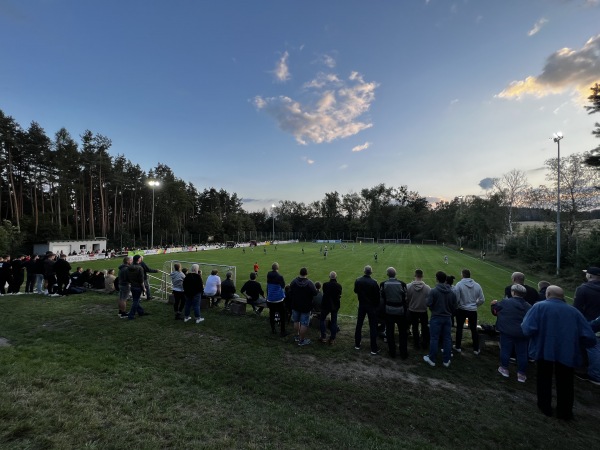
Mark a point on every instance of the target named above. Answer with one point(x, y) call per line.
point(68, 247)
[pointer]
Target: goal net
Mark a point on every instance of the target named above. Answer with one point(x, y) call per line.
point(429, 242)
point(168, 266)
point(365, 240)
point(404, 241)
point(386, 241)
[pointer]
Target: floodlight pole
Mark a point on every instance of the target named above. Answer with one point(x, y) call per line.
point(557, 138)
point(273, 216)
point(153, 184)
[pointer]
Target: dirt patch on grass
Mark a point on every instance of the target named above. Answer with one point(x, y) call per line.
point(4, 342)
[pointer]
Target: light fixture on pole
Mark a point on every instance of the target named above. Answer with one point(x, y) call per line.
point(557, 137)
point(273, 216)
point(153, 184)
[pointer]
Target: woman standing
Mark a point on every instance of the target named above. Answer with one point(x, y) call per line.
point(177, 277)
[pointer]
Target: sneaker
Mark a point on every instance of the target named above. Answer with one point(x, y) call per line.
point(199, 319)
point(376, 352)
point(331, 341)
point(446, 364)
point(357, 347)
point(304, 342)
point(123, 315)
point(428, 361)
point(457, 350)
point(596, 382)
point(296, 338)
point(187, 319)
point(476, 352)
point(502, 371)
point(521, 377)
point(323, 340)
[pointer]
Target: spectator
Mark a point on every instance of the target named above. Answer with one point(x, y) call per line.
point(213, 286)
point(532, 296)
point(302, 291)
point(367, 291)
point(50, 274)
point(147, 270)
point(542, 286)
point(469, 297)
point(317, 302)
point(124, 285)
point(442, 304)
point(177, 278)
point(5, 274)
point(253, 291)
point(556, 331)
point(31, 274)
point(109, 281)
point(275, 298)
point(587, 301)
point(510, 313)
point(393, 299)
point(63, 272)
point(332, 294)
point(18, 275)
point(228, 291)
point(416, 296)
point(135, 276)
point(193, 288)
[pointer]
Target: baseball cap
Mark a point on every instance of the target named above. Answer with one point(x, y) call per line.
point(136, 258)
point(593, 270)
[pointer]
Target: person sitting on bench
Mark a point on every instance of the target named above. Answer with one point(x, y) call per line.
point(253, 292)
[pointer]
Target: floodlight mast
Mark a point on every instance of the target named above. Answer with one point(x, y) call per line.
point(557, 138)
point(153, 184)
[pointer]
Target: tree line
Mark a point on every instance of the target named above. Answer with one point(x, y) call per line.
point(60, 188)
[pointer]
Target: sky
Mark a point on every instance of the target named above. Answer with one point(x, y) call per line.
point(288, 100)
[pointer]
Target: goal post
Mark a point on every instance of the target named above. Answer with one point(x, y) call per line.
point(404, 241)
point(387, 241)
point(429, 242)
point(365, 240)
point(206, 268)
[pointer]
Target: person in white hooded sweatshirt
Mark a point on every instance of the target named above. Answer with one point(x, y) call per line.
point(469, 296)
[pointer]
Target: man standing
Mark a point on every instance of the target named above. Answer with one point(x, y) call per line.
point(442, 303)
point(63, 272)
point(30, 264)
point(416, 296)
point(275, 298)
point(124, 286)
point(302, 291)
point(393, 298)
point(556, 331)
point(50, 274)
point(532, 295)
point(18, 274)
point(587, 301)
point(332, 294)
point(135, 276)
point(5, 274)
point(367, 291)
point(469, 297)
point(147, 270)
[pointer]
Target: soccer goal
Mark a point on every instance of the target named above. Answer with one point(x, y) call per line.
point(365, 240)
point(387, 241)
point(206, 268)
point(404, 241)
point(429, 242)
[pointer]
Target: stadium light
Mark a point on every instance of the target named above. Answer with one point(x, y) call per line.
point(556, 138)
point(273, 216)
point(153, 184)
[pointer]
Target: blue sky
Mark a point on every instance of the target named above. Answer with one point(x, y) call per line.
point(287, 99)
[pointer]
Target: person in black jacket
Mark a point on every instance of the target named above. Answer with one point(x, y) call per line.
point(367, 291)
point(63, 272)
point(253, 291)
point(302, 291)
point(147, 270)
point(18, 275)
point(31, 275)
point(332, 294)
point(193, 288)
point(532, 296)
point(5, 273)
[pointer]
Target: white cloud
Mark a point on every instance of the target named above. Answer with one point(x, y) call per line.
point(454, 102)
point(328, 61)
point(307, 160)
point(343, 167)
point(565, 69)
point(282, 71)
point(537, 27)
point(331, 112)
point(360, 148)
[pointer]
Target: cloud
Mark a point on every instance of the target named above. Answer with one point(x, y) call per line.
point(454, 102)
point(282, 71)
point(343, 167)
point(307, 160)
point(327, 60)
point(537, 27)
point(331, 111)
point(360, 148)
point(486, 183)
point(565, 69)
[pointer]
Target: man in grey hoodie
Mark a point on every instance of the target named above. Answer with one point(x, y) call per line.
point(469, 296)
point(441, 303)
point(416, 296)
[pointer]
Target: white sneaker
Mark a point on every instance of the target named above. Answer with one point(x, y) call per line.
point(447, 364)
point(428, 361)
point(199, 319)
point(476, 352)
point(187, 319)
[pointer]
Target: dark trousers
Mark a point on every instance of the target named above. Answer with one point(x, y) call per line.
point(369, 312)
point(63, 281)
point(2, 284)
point(461, 315)
point(391, 322)
point(30, 282)
point(416, 319)
point(274, 308)
point(178, 301)
point(15, 284)
point(51, 281)
point(564, 388)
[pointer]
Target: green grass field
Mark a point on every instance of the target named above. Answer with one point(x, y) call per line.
point(73, 375)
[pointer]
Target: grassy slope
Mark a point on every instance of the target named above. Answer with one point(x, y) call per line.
point(77, 376)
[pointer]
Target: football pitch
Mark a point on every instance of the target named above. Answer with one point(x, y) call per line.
point(349, 262)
